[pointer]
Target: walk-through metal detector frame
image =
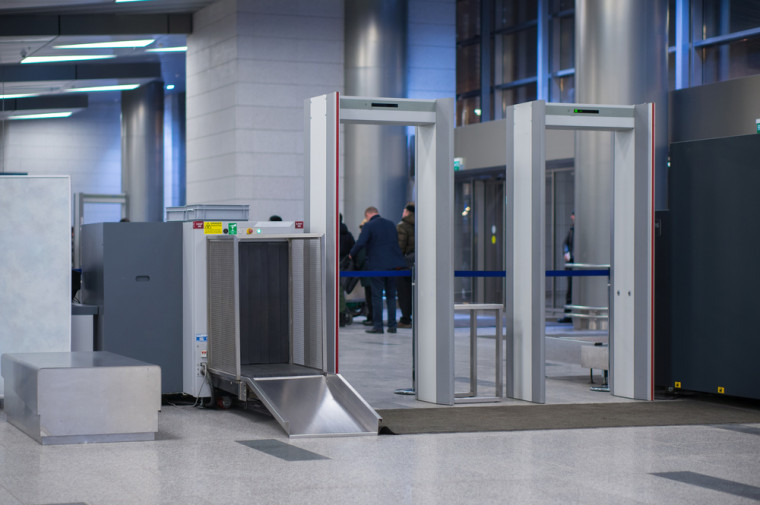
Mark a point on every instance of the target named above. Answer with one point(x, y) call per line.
point(434, 295)
point(631, 312)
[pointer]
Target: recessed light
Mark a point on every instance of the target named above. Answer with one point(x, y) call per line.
point(179, 49)
point(17, 95)
point(170, 87)
point(107, 45)
point(52, 59)
point(117, 87)
point(47, 115)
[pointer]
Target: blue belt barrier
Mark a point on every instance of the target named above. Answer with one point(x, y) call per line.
point(578, 273)
point(479, 273)
point(376, 273)
point(474, 273)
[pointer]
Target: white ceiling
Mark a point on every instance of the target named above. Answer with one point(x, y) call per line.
point(13, 49)
point(100, 6)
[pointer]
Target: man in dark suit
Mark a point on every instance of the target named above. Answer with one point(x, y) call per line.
point(380, 240)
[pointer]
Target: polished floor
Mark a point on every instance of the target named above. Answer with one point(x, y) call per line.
point(204, 456)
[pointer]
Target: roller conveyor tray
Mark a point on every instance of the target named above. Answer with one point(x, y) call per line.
point(81, 397)
point(306, 402)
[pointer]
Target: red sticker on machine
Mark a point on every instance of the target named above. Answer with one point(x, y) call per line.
point(197, 225)
point(299, 225)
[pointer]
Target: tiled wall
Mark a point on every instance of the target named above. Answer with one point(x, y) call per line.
point(251, 64)
point(432, 49)
point(85, 146)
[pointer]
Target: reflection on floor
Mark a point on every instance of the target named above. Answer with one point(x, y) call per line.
point(377, 365)
point(223, 457)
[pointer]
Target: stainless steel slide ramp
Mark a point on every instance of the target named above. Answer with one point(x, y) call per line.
point(315, 405)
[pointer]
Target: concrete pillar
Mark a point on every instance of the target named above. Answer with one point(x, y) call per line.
point(621, 59)
point(175, 109)
point(375, 160)
point(142, 151)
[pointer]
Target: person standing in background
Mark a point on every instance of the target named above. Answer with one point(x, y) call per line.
point(567, 249)
point(405, 230)
point(380, 239)
point(346, 243)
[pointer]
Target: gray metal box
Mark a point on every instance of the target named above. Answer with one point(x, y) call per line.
point(133, 271)
point(81, 397)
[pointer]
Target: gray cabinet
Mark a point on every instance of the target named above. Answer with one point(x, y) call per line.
point(133, 272)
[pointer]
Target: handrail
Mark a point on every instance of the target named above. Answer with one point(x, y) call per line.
point(586, 307)
point(586, 265)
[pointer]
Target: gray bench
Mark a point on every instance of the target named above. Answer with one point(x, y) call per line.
point(81, 397)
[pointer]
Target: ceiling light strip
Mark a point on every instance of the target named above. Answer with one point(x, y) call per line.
point(47, 115)
point(117, 87)
point(56, 59)
point(114, 44)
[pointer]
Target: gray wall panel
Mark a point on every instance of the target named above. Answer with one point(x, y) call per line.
point(723, 109)
point(35, 302)
point(141, 292)
point(714, 265)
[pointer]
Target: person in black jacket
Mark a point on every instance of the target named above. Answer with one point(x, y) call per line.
point(346, 243)
point(380, 240)
point(405, 229)
point(567, 253)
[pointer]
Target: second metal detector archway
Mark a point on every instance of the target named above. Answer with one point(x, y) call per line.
point(631, 329)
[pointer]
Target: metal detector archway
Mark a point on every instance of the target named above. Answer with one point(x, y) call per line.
point(434, 295)
point(631, 313)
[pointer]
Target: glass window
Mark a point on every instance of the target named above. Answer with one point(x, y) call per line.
point(468, 68)
point(514, 12)
point(519, 94)
point(468, 110)
point(567, 42)
point(729, 61)
point(567, 89)
point(518, 55)
point(720, 17)
point(468, 19)
point(556, 6)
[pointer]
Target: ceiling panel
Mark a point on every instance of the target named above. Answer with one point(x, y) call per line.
point(13, 49)
point(101, 6)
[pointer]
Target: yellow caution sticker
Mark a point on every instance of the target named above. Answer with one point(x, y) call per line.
point(678, 385)
point(721, 390)
point(212, 228)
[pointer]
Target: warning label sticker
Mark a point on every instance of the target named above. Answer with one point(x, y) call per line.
point(212, 228)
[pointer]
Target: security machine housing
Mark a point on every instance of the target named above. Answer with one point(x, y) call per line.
point(266, 334)
point(199, 222)
point(133, 273)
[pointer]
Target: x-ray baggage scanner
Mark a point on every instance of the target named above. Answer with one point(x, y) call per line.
point(631, 313)
point(266, 333)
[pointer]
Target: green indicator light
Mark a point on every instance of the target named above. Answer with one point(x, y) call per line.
point(258, 230)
